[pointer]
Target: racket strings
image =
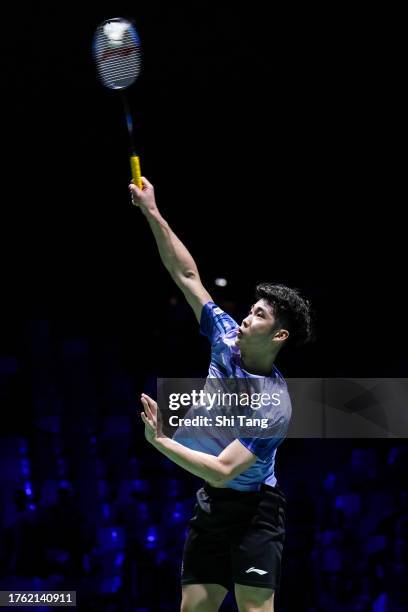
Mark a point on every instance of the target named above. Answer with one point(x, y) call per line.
point(118, 65)
point(117, 75)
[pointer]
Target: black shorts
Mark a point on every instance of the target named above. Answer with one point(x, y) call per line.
point(235, 537)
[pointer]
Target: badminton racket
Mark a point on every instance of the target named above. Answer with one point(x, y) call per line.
point(117, 54)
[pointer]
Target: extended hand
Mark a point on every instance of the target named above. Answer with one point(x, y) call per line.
point(151, 419)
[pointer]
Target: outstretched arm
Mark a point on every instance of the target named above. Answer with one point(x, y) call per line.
point(173, 253)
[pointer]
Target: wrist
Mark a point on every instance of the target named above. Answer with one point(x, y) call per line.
point(158, 442)
point(152, 213)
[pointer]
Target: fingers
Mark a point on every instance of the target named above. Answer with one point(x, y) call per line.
point(150, 408)
point(147, 184)
point(146, 408)
point(148, 413)
point(146, 420)
point(149, 399)
point(150, 402)
point(135, 192)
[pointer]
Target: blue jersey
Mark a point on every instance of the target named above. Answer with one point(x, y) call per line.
point(225, 364)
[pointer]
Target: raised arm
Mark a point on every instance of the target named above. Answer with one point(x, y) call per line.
point(173, 253)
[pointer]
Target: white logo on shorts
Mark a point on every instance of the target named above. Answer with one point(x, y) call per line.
point(254, 569)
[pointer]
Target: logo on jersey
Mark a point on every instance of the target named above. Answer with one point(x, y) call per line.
point(254, 569)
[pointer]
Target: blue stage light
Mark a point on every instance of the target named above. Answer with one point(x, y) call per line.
point(25, 467)
point(28, 489)
point(119, 559)
point(151, 537)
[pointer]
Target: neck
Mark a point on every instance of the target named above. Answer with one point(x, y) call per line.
point(256, 364)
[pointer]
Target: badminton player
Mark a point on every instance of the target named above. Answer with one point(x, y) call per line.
point(236, 535)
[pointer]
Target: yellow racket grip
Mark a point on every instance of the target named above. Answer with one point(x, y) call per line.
point(136, 173)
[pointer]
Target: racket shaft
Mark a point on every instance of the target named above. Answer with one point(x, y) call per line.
point(136, 173)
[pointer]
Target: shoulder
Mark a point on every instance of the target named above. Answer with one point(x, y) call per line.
point(215, 323)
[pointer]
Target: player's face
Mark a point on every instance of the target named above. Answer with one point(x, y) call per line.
point(258, 326)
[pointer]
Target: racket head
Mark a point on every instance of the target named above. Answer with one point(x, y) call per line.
point(117, 53)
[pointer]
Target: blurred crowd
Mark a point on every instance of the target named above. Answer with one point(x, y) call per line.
point(87, 505)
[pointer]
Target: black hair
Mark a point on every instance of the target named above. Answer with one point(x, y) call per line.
point(291, 310)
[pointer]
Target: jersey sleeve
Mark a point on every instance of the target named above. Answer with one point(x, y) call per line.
point(215, 323)
point(264, 445)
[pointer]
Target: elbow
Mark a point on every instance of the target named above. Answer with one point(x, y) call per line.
point(190, 274)
point(221, 476)
point(181, 276)
point(216, 480)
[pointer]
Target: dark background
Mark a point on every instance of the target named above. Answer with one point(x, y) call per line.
point(273, 139)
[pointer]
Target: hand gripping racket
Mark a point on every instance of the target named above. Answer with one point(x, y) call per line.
point(117, 53)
